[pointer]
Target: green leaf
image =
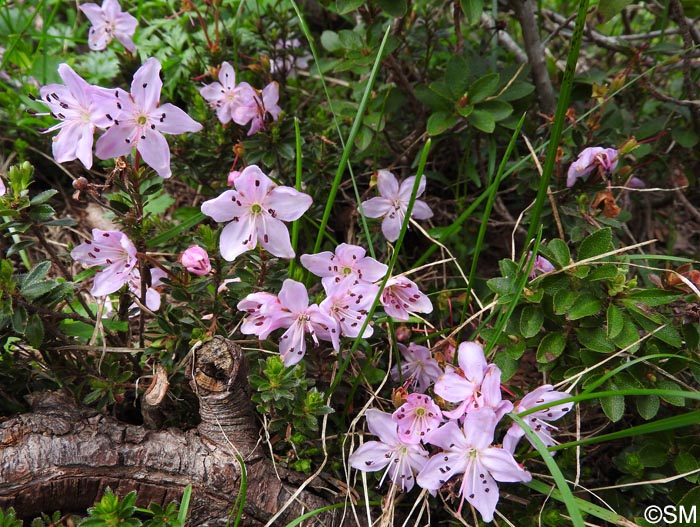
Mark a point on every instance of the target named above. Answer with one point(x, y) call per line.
point(551, 346)
point(563, 300)
point(345, 6)
point(330, 41)
point(648, 406)
point(465, 110)
point(499, 110)
point(686, 462)
point(606, 271)
point(667, 384)
point(531, 320)
point(34, 331)
point(43, 197)
point(482, 120)
point(610, 8)
point(558, 252)
point(586, 304)
point(652, 297)
point(36, 289)
point(457, 76)
point(615, 321)
point(614, 407)
point(685, 137)
point(689, 503)
point(38, 273)
point(628, 335)
point(395, 8)
point(500, 286)
point(483, 87)
point(440, 122)
point(670, 336)
point(517, 90)
point(472, 10)
point(595, 339)
point(599, 242)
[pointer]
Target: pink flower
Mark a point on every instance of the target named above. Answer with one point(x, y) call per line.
point(541, 264)
point(418, 367)
point(255, 210)
point(152, 294)
point(109, 22)
point(401, 297)
point(259, 109)
point(3, 189)
point(288, 61)
point(348, 261)
point(196, 260)
point(539, 420)
point(138, 120)
point(226, 96)
point(301, 318)
point(265, 314)
point(79, 113)
point(348, 303)
point(463, 386)
point(114, 251)
point(402, 460)
point(469, 451)
point(232, 177)
point(392, 203)
point(588, 160)
point(416, 418)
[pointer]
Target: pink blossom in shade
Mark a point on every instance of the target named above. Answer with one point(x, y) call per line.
point(635, 182)
point(196, 260)
point(463, 385)
point(264, 314)
point(139, 121)
point(588, 160)
point(152, 295)
point(348, 303)
point(401, 460)
point(348, 261)
point(108, 22)
point(539, 420)
point(255, 210)
point(289, 61)
point(3, 188)
point(401, 297)
point(301, 318)
point(469, 451)
point(115, 252)
point(540, 265)
point(232, 177)
point(417, 367)
point(416, 418)
point(392, 203)
point(79, 112)
point(225, 95)
point(259, 109)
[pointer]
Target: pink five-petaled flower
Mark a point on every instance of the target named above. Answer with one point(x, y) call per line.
point(300, 318)
point(401, 297)
point(392, 203)
point(138, 120)
point(469, 451)
point(79, 113)
point(348, 303)
point(417, 366)
point(255, 210)
point(541, 264)
point(196, 260)
point(226, 96)
point(463, 386)
point(348, 261)
point(417, 417)
point(108, 22)
point(403, 460)
point(264, 314)
point(152, 294)
point(259, 109)
point(539, 420)
point(115, 251)
point(588, 160)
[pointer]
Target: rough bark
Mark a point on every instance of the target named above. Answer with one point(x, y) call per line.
point(62, 457)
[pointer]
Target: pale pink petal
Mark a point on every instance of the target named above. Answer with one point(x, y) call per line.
point(155, 151)
point(479, 427)
point(110, 279)
point(236, 238)
point(170, 119)
point(387, 184)
point(421, 210)
point(480, 490)
point(212, 92)
point(76, 85)
point(294, 296)
point(93, 12)
point(502, 466)
point(376, 207)
point(287, 203)
point(320, 264)
point(406, 188)
point(115, 142)
point(146, 85)
point(391, 226)
point(223, 208)
point(472, 360)
point(227, 76)
point(274, 237)
point(371, 456)
point(253, 185)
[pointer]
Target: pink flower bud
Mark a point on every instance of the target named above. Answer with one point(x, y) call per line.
point(196, 260)
point(232, 176)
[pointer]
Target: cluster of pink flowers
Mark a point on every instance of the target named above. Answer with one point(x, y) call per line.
point(109, 22)
point(241, 103)
point(590, 159)
point(130, 120)
point(462, 437)
point(349, 279)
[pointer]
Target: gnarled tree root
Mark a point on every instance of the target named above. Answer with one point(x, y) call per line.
point(62, 457)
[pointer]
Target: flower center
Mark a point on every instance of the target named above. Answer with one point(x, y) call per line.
point(420, 411)
point(347, 271)
point(141, 120)
point(255, 208)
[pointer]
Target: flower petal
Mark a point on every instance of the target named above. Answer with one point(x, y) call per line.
point(274, 237)
point(376, 207)
point(288, 204)
point(155, 151)
point(146, 85)
point(117, 141)
point(502, 466)
point(391, 226)
point(237, 237)
point(294, 296)
point(387, 184)
point(223, 207)
point(170, 119)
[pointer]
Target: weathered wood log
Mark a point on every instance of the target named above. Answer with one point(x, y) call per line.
point(62, 457)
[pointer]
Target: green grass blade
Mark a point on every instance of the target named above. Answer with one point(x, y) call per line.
point(297, 185)
point(177, 230)
point(184, 506)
